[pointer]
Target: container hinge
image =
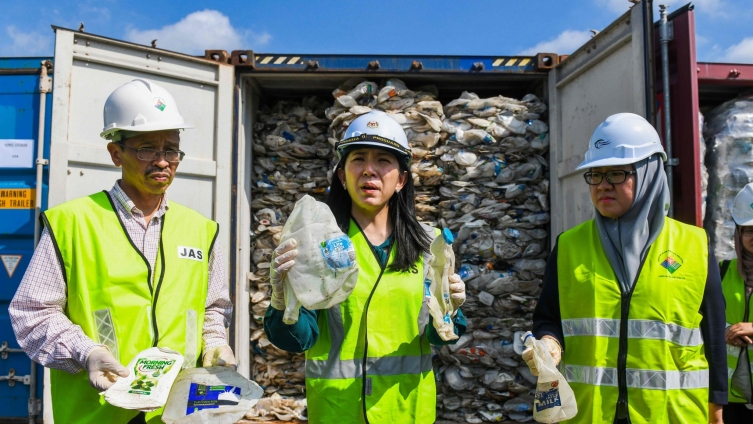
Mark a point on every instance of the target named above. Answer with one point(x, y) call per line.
point(45, 85)
point(673, 162)
point(42, 162)
point(11, 378)
point(5, 350)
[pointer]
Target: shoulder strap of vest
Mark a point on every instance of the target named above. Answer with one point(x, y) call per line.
point(431, 232)
point(723, 267)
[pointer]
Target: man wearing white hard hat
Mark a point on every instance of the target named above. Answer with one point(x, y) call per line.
point(737, 284)
point(124, 270)
point(632, 301)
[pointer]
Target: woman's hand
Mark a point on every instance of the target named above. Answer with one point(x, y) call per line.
point(715, 414)
point(739, 334)
point(283, 258)
point(457, 291)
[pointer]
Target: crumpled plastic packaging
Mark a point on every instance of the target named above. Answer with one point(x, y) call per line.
point(279, 408)
point(441, 265)
point(480, 169)
point(729, 138)
point(325, 270)
point(152, 373)
point(216, 395)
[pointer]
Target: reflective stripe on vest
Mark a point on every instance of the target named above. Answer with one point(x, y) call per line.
point(118, 300)
point(398, 353)
point(637, 329)
point(638, 379)
point(657, 362)
point(733, 287)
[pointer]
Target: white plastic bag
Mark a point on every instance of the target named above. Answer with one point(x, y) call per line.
point(153, 372)
point(325, 270)
point(441, 266)
point(554, 400)
point(217, 395)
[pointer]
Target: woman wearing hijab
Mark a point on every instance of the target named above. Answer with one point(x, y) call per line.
point(383, 327)
point(631, 300)
point(737, 285)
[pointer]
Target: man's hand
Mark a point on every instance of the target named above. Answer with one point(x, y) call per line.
point(554, 349)
point(457, 291)
point(220, 356)
point(715, 414)
point(283, 258)
point(739, 334)
point(103, 369)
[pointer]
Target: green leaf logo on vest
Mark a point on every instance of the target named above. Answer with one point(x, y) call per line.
point(671, 261)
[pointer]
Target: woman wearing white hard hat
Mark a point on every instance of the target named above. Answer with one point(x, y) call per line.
point(383, 326)
point(737, 284)
point(631, 300)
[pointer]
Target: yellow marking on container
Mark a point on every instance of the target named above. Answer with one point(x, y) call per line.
point(294, 60)
point(280, 60)
point(17, 198)
point(511, 61)
point(498, 62)
point(524, 62)
point(257, 58)
point(266, 60)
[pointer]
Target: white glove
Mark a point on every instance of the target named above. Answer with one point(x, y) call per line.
point(103, 368)
point(457, 290)
point(220, 356)
point(282, 260)
point(554, 349)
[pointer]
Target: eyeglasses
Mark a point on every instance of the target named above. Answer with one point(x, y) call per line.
point(746, 231)
point(153, 154)
point(613, 177)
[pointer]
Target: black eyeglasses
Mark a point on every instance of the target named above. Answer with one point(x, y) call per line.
point(153, 154)
point(613, 177)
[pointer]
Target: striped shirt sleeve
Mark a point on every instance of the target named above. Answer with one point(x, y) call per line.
point(37, 314)
point(218, 307)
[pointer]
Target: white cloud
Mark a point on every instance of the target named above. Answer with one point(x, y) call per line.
point(24, 43)
point(617, 6)
point(199, 31)
point(739, 53)
point(565, 43)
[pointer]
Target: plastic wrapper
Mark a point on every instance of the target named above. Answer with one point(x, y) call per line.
point(152, 373)
point(729, 159)
point(325, 271)
point(554, 400)
point(480, 169)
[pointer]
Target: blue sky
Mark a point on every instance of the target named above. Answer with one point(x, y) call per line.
point(463, 27)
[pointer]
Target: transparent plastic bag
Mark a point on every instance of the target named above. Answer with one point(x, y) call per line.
point(325, 271)
point(441, 266)
point(554, 400)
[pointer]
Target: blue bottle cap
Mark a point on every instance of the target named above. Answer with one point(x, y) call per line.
point(447, 234)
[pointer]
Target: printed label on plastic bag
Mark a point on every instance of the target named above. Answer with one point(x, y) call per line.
point(209, 397)
point(547, 396)
point(148, 372)
point(336, 253)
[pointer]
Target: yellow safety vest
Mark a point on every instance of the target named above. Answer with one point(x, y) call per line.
point(378, 328)
point(638, 353)
point(119, 301)
point(733, 287)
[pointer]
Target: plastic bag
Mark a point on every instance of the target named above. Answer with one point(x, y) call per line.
point(554, 400)
point(441, 266)
point(217, 395)
point(153, 372)
point(325, 271)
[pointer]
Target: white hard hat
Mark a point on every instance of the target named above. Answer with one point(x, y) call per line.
point(377, 129)
point(742, 211)
point(141, 105)
point(622, 139)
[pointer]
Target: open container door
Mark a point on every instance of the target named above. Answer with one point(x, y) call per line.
point(88, 68)
point(607, 75)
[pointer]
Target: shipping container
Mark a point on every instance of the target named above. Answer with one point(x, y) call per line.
point(221, 93)
point(25, 113)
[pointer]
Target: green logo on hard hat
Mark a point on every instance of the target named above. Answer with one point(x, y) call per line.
point(751, 205)
point(159, 103)
point(601, 143)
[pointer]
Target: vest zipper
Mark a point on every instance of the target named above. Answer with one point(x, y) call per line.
point(622, 407)
point(159, 285)
point(744, 349)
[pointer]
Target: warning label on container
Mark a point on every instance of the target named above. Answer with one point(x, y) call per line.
point(17, 198)
point(10, 262)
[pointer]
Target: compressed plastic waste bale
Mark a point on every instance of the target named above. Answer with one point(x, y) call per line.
point(210, 395)
point(729, 138)
point(325, 271)
point(278, 408)
point(152, 373)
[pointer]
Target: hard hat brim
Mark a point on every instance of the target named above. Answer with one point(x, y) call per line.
point(740, 221)
point(157, 126)
point(616, 161)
